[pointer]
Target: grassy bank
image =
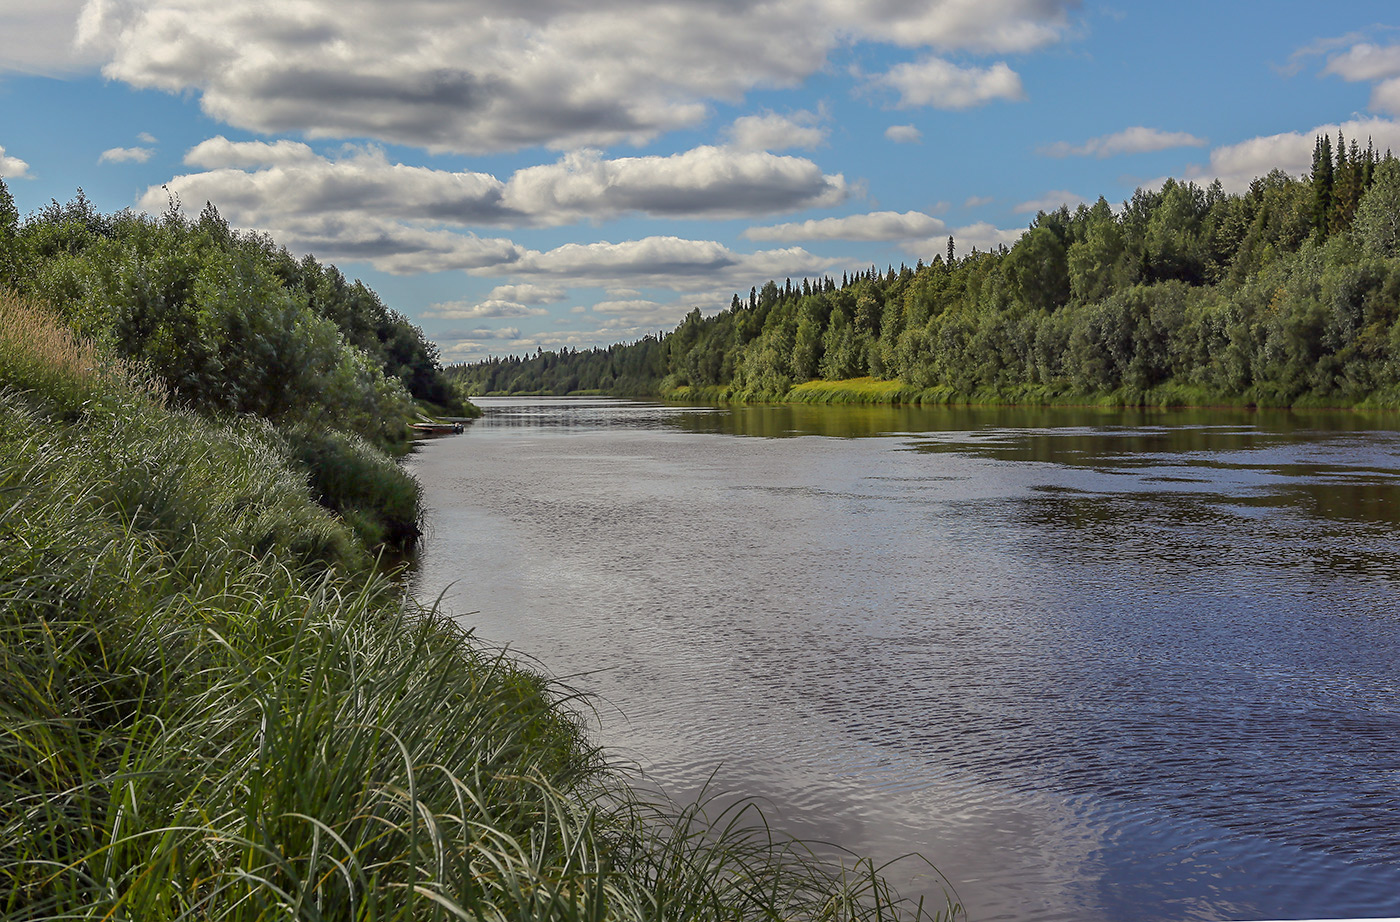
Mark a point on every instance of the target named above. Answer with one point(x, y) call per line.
point(873, 391)
point(212, 705)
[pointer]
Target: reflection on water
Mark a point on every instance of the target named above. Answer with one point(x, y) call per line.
point(1094, 664)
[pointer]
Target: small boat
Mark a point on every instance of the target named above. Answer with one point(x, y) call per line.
point(432, 429)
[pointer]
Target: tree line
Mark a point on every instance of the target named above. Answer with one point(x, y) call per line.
point(1284, 294)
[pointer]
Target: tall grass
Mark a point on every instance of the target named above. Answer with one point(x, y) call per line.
point(59, 366)
point(212, 707)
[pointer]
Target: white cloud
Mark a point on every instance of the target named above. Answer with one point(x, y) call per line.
point(904, 134)
point(257, 184)
point(1385, 96)
point(146, 137)
point(1136, 140)
point(1236, 165)
point(648, 318)
point(943, 85)
point(661, 262)
point(977, 201)
point(479, 333)
point(489, 309)
point(1051, 201)
point(500, 74)
point(221, 153)
point(712, 182)
point(879, 225)
point(38, 38)
point(634, 317)
point(777, 132)
point(362, 185)
point(981, 235)
point(990, 26)
point(630, 308)
point(1364, 63)
point(125, 155)
point(528, 294)
point(12, 167)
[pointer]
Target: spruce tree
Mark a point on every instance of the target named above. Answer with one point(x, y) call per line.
point(1322, 182)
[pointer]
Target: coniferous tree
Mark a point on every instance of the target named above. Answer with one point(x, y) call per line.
point(1322, 185)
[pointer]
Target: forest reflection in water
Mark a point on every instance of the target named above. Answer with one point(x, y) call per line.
point(1096, 664)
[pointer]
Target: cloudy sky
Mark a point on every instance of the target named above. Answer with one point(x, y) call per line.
point(513, 174)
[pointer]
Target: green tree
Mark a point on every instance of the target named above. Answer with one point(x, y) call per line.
point(1323, 179)
point(1096, 262)
point(1038, 269)
point(9, 243)
point(1377, 222)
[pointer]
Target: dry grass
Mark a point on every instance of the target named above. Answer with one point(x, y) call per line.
point(38, 352)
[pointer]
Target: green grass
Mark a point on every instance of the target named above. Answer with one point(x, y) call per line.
point(214, 707)
point(873, 391)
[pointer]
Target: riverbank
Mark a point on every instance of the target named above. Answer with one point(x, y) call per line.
point(215, 703)
point(875, 392)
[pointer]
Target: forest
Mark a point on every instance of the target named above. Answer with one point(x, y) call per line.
point(1283, 295)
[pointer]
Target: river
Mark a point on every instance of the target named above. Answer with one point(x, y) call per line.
point(1093, 665)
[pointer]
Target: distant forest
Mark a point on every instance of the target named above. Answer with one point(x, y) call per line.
point(1286, 294)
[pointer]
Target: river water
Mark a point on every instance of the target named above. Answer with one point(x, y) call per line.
point(1093, 665)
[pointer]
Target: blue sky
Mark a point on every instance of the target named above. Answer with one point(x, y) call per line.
point(516, 174)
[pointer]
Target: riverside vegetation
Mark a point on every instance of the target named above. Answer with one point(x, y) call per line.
point(1284, 295)
point(215, 703)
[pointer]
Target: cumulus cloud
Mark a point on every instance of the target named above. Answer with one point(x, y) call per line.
point(291, 182)
point(771, 131)
point(39, 38)
point(259, 184)
point(989, 26)
point(634, 317)
point(630, 308)
point(1385, 96)
point(977, 201)
point(125, 155)
point(904, 134)
point(1236, 165)
point(661, 262)
point(528, 294)
point(943, 85)
point(1356, 59)
point(489, 309)
point(12, 167)
point(982, 235)
point(876, 226)
point(712, 182)
point(1051, 201)
point(480, 333)
point(509, 74)
point(1136, 140)
point(221, 153)
point(1365, 62)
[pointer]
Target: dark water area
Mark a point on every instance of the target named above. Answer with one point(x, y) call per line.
point(1094, 665)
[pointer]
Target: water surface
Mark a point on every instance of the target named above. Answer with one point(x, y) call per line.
point(1094, 665)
